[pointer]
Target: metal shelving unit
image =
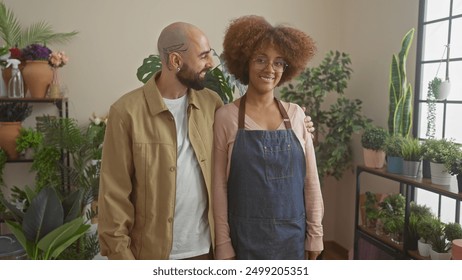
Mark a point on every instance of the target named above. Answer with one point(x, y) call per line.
point(408, 187)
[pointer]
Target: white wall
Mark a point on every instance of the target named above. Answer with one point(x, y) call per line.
point(115, 36)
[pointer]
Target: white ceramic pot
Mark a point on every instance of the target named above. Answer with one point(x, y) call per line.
point(439, 175)
point(445, 89)
point(423, 248)
point(439, 256)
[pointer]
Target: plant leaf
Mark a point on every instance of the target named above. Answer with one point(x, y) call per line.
point(71, 205)
point(16, 229)
point(150, 65)
point(44, 214)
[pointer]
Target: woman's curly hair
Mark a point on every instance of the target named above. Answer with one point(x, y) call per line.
point(247, 34)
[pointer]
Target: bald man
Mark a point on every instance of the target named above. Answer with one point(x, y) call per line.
point(154, 198)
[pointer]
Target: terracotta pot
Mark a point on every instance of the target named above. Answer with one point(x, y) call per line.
point(374, 159)
point(9, 131)
point(37, 75)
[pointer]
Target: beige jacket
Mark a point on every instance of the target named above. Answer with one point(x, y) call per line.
point(137, 183)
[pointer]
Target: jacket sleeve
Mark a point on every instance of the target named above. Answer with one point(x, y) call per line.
point(115, 210)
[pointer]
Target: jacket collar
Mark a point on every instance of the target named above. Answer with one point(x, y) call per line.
point(155, 101)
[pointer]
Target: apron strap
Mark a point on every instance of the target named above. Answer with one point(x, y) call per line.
point(282, 110)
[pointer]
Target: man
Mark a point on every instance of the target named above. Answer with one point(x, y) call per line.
point(154, 199)
point(156, 171)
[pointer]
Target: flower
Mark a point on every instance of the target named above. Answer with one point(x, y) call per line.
point(98, 121)
point(58, 59)
point(15, 53)
point(36, 52)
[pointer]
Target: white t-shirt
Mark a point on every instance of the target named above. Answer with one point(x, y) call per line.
point(191, 235)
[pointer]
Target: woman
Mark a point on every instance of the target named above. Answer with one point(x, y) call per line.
point(267, 197)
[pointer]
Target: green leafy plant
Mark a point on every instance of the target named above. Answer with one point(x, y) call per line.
point(411, 149)
point(424, 228)
point(400, 91)
point(438, 238)
point(336, 125)
point(393, 145)
point(417, 214)
point(49, 225)
point(454, 163)
point(28, 138)
point(14, 35)
point(432, 96)
point(216, 79)
point(391, 213)
point(14, 111)
point(374, 138)
point(440, 150)
point(371, 209)
point(453, 231)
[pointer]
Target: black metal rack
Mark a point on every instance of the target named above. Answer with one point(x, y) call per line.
point(407, 188)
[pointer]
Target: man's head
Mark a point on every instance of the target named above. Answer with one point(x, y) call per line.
point(185, 51)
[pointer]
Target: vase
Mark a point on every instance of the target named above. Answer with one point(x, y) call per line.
point(423, 248)
point(55, 88)
point(9, 131)
point(426, 173)
point(411, 168)
point(37, 75)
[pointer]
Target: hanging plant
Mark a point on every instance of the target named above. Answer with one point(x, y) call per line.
point(432, 95)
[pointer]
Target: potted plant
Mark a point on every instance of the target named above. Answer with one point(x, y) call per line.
point(371, 210)
point(373, 141)
point(393, 146)
point(412, 157)
point(37, 72)
point(49, 225)
point(336, 124)
point(391, 214)
point(417, 214)
point(454, 167)
point(28, 141)
point(439, 244)
point(400, 91)
point(11, 116)
point(440, 152)
point(424, 231)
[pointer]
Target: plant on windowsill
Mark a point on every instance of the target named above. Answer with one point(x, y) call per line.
point(393, 146)
point(454, 167)
point(335, 125)
point(373, 142)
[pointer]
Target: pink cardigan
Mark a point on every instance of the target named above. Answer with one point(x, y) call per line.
point(225, 129)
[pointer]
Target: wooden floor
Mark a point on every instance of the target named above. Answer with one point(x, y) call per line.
point(333, 251)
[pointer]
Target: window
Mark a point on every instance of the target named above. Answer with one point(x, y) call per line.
point(439, 54)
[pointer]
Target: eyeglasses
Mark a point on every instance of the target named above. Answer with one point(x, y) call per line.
point(261, 62)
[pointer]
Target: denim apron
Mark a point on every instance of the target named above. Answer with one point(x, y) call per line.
point(266, 203)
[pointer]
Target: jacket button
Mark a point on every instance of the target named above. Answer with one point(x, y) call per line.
point(172, 168)
point(170, 220)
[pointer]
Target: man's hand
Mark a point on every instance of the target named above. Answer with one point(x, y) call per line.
point(312, 255)
point(308, 123)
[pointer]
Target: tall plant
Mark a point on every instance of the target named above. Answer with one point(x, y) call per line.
point(14, 35)
point(400, 91)
point(336, 125)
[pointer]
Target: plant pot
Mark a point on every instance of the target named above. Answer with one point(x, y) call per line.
point(9, 131)
point(426, 173)
point(411, 168)
point(374, 159)
point(439, 256)
point(38, 75)
point(456, 250)
point(459, 182)
point(444, 90)
point(394, 165)
point(423, 248)
point(440, 175)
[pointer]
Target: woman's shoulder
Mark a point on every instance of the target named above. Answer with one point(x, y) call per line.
point(293, 109)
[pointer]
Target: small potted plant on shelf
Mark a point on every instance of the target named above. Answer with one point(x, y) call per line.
point(371, 209)
point(393, 146)
point(439, 244)
point(373, 141)
point(12, 114)
point(424, 230)
point(28, 142)
point(392, 216)
point(440, 152)
point(417, 214)
point(412, 157)
point(37, 73)
point(454, 166)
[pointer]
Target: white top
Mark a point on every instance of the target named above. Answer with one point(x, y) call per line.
point(191, 235)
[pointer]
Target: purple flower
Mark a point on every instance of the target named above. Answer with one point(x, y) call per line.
point(36, 52)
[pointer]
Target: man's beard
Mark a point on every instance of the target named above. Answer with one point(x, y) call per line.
point(190, 79)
